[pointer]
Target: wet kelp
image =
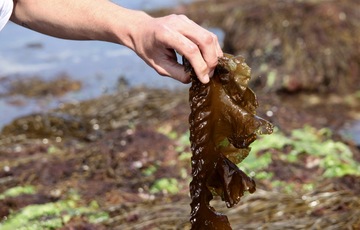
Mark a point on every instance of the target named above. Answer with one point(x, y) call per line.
point(222, 126)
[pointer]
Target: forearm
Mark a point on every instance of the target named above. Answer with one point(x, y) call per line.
point(77, 19)
point(153, 39)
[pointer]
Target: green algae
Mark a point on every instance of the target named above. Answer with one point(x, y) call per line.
point(52, 215)
point(17, 191)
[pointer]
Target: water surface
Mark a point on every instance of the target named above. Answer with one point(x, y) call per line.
point(98, 65)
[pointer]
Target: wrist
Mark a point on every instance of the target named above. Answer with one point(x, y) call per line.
point(126, 25)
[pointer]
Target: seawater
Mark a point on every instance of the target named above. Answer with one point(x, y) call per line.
point(25, 52)
point(99, 65)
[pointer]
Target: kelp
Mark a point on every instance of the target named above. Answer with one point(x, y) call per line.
point(223, 123)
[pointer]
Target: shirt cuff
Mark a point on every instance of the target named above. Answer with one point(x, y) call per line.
point(6, 8)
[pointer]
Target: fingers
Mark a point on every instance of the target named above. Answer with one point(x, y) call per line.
point(197, 44)
point(210, 51)
point(208, 45)
point(176, 71)
point(167, 65)
point(207, 41)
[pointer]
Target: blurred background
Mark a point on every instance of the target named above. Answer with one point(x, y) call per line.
point(98, 65)
point(92, 138)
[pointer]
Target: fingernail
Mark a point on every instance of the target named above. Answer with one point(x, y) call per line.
point(206, 79)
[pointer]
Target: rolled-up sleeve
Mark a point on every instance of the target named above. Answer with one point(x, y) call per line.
point(6, 8)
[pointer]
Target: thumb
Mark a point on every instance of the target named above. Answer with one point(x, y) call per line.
point(174, 70)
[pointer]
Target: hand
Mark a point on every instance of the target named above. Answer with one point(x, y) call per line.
point(156, 40)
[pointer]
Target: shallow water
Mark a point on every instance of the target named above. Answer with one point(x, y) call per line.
point(97, 64)
point(351, 131)
point(24, 52)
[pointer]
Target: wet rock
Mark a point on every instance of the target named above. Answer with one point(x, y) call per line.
point(50, 125)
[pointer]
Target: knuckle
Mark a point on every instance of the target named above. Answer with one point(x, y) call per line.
point(173, 16)
point(191, 50)
point(215, 38)
point(209, 38)
point(176, 17)
point(183, 16)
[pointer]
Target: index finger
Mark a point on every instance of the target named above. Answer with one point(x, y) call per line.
point(207, 41)
point(184, 46)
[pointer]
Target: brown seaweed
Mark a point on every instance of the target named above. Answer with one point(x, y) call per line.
point(223, 123)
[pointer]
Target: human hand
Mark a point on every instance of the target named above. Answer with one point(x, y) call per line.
point(156, 41)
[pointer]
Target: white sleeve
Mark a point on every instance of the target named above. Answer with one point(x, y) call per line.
point(6, 8)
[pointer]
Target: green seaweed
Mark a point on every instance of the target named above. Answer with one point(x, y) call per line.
point(17, 191)
point(52, 215)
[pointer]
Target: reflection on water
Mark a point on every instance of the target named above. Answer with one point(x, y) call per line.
point(24, 52)
point(351, 131)
point(97, 64)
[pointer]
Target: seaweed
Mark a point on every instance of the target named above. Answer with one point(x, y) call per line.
point(223, 123)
